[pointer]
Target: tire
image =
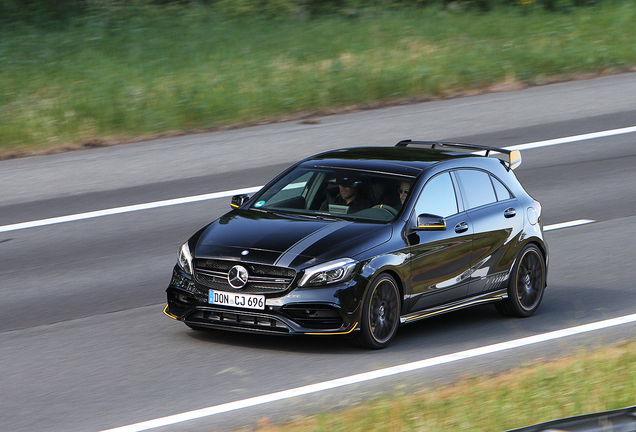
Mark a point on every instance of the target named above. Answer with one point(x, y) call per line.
point(380, 314)
point(526, 285)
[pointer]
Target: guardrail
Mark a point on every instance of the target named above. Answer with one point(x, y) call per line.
point(621, 420)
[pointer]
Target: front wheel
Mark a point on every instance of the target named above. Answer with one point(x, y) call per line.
point(380, 314)
point(526, 284)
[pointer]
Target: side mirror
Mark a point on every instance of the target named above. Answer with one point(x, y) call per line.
point(239, 200)
point(429, 222)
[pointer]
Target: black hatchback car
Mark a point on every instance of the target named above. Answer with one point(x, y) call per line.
point(358, 241)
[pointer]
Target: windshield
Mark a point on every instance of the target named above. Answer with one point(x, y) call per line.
point(336, 192)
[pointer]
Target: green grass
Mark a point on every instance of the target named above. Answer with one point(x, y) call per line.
point(585, 383)
point(179, 69)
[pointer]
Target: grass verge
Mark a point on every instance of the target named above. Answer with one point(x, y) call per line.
point(587, 382)
point(99, 80)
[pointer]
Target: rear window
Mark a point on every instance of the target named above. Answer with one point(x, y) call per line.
point(502, 192)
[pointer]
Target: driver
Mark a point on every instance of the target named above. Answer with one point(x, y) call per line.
point(348, 195)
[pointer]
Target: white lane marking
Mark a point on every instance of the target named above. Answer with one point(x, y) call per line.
point(565, 140)
point(118, 210)
point(126, 209)
point(368, 376)
point(567, 224)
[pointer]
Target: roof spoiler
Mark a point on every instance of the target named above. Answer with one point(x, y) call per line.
point(513, 160)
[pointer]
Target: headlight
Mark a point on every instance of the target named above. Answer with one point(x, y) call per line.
point(185, 258)
point(328, 273)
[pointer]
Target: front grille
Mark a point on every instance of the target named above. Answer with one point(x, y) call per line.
point(238, 320)
point(263, 279)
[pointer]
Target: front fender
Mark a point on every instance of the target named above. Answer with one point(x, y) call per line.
point(396, 264)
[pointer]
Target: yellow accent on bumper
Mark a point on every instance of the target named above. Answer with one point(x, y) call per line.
point(165, 311)
point(336, 333)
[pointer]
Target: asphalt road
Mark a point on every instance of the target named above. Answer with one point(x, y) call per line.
point(85, 346)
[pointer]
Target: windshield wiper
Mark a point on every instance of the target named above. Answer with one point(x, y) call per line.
point(319, 216)
point(259, 210)
point(327, 216)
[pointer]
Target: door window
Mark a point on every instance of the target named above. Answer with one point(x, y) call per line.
point(438, 197)
point(477, 188)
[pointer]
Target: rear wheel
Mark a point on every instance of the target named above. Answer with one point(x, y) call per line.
point(380, 314)
point(526, 284)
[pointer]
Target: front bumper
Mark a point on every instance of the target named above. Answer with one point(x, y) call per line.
point(328, 310)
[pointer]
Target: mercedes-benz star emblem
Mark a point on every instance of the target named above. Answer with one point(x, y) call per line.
point(237, 276)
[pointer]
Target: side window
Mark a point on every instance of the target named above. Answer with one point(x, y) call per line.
point(502, 192)
point(476, 187)
point(438, 197)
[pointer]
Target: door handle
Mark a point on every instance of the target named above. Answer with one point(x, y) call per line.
point(461, 227)
point(510, 212)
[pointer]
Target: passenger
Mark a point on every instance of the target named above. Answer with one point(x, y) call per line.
point(348, 196)
point(405, 188)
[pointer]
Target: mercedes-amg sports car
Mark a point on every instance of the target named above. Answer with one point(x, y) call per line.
point(360, 240)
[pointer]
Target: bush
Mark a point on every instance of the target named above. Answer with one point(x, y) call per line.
point(264, 8)
point(42, 11)
point(30, 10)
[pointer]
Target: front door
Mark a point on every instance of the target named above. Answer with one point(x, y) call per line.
point(440, 260)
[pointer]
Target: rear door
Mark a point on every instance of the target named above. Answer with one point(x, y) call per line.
point(497, 219)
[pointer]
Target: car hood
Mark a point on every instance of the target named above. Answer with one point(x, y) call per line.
point(286, 241)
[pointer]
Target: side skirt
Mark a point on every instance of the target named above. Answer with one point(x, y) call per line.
point(490, 297)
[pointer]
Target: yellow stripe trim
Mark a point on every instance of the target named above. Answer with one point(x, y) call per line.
point(488, 300)
point(165, 310)
point(337, 333)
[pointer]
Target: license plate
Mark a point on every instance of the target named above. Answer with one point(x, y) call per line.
point(247, 301)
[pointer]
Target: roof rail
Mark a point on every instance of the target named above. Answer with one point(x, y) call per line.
point(514, 156)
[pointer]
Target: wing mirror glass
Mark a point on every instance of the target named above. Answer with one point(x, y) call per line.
point(239, 200)
point(430, 222)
